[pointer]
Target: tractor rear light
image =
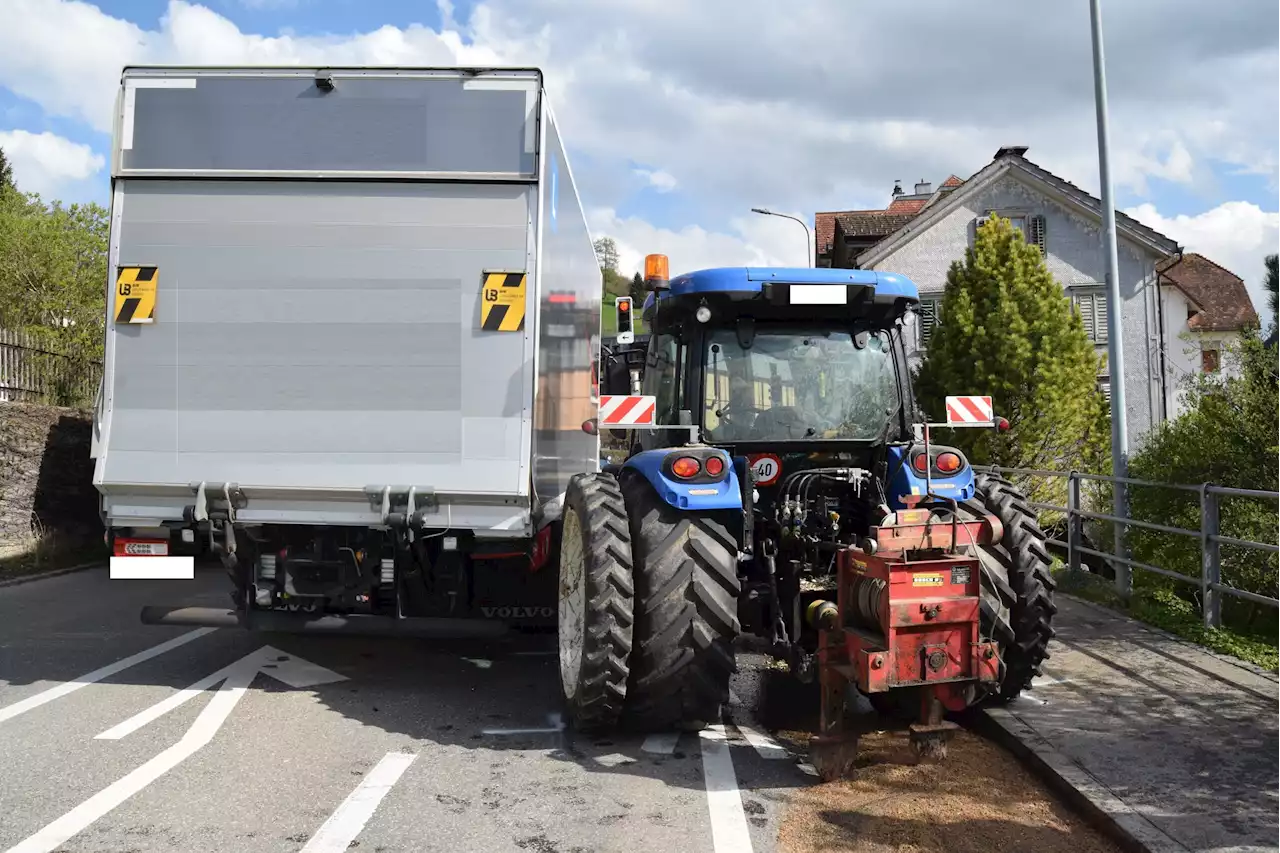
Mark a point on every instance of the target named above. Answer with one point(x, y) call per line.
point(686, 467)
point(948, 463)
point(715, 466)
point(920, 463)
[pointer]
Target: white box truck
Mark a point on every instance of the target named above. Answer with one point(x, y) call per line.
point(351, 344)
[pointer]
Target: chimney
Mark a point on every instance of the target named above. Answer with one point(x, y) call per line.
point(924, 187)
point(897, 188)
point(1011, 151)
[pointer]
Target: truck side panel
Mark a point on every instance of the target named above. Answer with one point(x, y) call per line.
point(320, 336)
point(569, 329)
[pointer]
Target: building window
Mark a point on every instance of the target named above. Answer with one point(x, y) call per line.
point(930, 317)
point(1032, 227)
point(1210, 360)
point(1092, 307)
point(1035, 232)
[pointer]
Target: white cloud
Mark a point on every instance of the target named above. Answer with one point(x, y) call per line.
point(759, 241)
point(44, 163)
point(663, 182)
point(716, 93)
point(1237, 235)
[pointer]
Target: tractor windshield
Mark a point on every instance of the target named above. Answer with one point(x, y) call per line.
point(799, 385)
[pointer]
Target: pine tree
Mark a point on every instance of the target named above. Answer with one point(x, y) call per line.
point(638, 291)
point(1007, 330)
point(6, 173)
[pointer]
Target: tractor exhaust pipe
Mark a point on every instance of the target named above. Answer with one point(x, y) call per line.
point(301, 623)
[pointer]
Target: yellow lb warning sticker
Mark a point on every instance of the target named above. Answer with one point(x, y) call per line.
point(135, 300)
point(502, 302)
point(930, 579)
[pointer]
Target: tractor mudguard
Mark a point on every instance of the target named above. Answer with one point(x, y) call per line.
point(698, 494)
point(906, 480)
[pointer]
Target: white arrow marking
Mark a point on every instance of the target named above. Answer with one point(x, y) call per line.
point(85, 680)
point(295, 672)
point(342, 827)
point(238, 677)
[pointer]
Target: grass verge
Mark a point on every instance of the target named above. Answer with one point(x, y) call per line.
point(1162, 609)
point(47, 554)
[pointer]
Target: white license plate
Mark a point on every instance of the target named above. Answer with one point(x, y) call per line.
point(818, 294)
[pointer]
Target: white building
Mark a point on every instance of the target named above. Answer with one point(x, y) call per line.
point(1177, 311)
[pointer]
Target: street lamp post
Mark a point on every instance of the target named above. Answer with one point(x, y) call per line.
point(808, 239)
point(1115, 341)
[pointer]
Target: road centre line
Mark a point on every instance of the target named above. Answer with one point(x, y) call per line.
point(729, 833)
point(345, 824)
point(66, 687)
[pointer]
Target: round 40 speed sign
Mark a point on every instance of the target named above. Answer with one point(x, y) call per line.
point(765, 468)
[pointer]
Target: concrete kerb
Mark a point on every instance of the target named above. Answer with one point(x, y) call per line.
point(1087, 795)
point(21, 579)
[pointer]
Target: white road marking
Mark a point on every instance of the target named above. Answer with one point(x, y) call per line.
point(663, 743)
point(479, 663)
point(766, 746)
point(556, 726)
point(238, 678)
point(11, 711)
point(336, 834)
point(729, 832)
point(617, 759)
point(293, 671)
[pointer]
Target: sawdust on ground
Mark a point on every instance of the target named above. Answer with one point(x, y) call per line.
point(979, 800)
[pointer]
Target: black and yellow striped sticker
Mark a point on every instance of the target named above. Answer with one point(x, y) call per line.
point(502, 302)
point(135, 300)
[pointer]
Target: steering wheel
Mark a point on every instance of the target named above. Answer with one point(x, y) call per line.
point(794, 421)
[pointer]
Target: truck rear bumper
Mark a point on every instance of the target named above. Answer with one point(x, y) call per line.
point(300, 623)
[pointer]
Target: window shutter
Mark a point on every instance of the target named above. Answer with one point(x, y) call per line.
point(1084, 305)
point(928, 319)
point(1035, 232)
point(1100, 316)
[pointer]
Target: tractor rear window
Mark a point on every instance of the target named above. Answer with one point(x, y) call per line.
point(799, 385)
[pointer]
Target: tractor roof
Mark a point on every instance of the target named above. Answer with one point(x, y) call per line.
point(753, 280)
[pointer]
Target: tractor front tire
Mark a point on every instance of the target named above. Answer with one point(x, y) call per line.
point(686, 575)
point(595, 602)
point(1017, 589)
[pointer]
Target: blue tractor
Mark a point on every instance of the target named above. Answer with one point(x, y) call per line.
point(784, 454)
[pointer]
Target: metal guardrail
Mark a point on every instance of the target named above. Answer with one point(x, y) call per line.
point(1209, 535)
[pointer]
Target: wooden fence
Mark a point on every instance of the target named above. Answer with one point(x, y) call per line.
point(31, 373)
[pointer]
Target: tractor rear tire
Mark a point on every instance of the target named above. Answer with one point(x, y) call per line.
point(595, 601)
point(1017, 589)
point(686, 575)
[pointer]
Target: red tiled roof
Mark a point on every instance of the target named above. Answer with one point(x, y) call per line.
point(907, 205)
point(824, 226)
point(872, 223)
point(1221, 293)
point(952, 181)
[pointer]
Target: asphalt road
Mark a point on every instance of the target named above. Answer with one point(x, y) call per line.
point(333, 743)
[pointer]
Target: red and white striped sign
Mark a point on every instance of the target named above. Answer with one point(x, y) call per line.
point(626, 410)
point(970, 411)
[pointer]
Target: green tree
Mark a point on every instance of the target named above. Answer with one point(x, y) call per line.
point(1271, 283)
point(1007, 330)
point(53, 273)
point(1225, 436)
point(638, 291)
point(6, 173)
point(607, 253)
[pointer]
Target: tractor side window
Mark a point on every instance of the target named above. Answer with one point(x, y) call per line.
point(664, 367)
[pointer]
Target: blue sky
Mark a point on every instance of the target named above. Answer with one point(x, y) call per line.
point(682, 116)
